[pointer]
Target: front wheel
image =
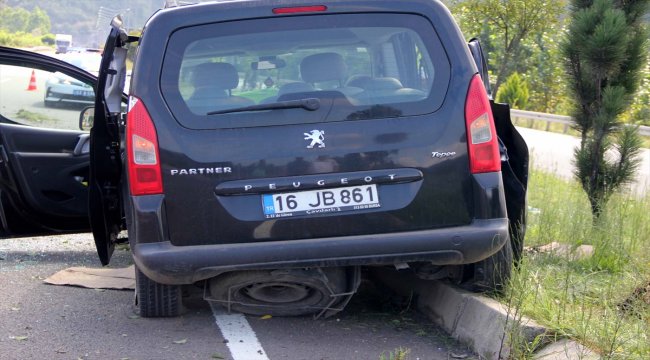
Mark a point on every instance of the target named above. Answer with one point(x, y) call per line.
point(157, 300)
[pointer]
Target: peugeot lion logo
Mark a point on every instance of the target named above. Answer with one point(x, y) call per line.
point(316, 137)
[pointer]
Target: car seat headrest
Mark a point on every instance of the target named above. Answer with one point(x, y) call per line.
point(385, 83)
point(323, 67)
point(294, 87)
point(216, 76)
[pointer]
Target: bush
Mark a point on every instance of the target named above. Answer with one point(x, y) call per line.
point(47, 39)
point(19, 39)
point(514, 92)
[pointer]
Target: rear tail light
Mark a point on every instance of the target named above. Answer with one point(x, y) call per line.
point(482, 139)
point(299, 9)
point(142, 151)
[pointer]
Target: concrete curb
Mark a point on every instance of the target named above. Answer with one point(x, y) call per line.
point(565, 349)
point(484, 324)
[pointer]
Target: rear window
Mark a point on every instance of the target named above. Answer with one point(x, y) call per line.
point(359, 67)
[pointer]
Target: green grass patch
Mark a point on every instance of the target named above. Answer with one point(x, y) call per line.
point(602, 300)
point(397, 354)
point(33, 116)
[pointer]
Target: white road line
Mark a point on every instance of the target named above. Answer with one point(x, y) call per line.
point(241, 339)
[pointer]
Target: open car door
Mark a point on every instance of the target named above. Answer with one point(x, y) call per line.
point(54, 176)
point(514, 158)
point(106, 210)
point(44, 156)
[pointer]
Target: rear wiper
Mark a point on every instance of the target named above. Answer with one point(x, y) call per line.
point(311, 104)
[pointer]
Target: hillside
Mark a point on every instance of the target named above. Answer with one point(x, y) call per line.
point(80, 18)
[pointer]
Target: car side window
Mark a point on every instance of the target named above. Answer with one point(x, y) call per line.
point(42, 98)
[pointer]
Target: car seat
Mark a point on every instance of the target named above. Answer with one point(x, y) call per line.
point(213, 84)
point(326, 67)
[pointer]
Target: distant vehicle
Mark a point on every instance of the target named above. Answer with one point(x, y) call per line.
point(63, 89)
point(63, 43)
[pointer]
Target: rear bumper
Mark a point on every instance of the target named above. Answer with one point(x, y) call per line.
point(169, 264)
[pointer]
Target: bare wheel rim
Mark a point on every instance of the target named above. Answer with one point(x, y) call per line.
point(277, 292)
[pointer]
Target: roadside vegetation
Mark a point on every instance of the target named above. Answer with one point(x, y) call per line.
point(23, 28)
point(523, 39)
point(605, 50)
point(602, 300)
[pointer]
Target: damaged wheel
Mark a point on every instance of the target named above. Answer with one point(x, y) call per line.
point(290, 292)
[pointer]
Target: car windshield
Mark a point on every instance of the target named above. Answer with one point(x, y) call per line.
point(367, 66)
point(87, 61)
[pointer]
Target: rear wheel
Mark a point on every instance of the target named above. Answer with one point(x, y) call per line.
point(48, 103)
point(290, 292)
point(493, 273)
point(157, 300)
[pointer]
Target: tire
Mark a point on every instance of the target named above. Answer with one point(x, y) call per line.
point(492, 274)
point(157, 300)
point(292, 292)
point(48, 103)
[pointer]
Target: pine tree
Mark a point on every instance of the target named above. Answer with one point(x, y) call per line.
point(605, 51)
point(514, 92)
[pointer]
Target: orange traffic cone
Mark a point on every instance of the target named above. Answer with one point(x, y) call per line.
point(32, 82)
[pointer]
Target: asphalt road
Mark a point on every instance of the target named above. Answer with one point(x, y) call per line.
point(40, 321)
point(554, 153)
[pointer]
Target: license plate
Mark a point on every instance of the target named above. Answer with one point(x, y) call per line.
point(315, 202)
point(84, 93)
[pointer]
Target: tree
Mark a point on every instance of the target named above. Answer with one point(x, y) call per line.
point(544, 73)
point(640, 109)
point(514, 92)
point(15, 19)
point(605, 51)
point(506, 24)
point(39, 22)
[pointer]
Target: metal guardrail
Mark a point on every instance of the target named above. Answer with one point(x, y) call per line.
point(560, 119)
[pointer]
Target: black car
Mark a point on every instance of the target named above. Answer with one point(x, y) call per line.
point(269, 150)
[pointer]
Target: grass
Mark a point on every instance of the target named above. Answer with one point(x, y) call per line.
point(600, 300)
point(33, 116)
point(397, 354)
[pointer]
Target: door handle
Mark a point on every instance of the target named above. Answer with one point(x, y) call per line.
point(83, 145)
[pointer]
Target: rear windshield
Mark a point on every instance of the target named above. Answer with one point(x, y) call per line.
point(358, 67)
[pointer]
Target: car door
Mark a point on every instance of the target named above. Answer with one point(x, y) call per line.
point(105, 187)
point(44, 156)
point(515, 158)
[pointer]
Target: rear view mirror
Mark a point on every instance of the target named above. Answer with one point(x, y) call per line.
point(269, 63)
point(87, 118)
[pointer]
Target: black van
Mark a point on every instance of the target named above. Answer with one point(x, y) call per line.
point(270, 149)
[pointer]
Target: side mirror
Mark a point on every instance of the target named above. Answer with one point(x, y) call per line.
point(87, 118)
